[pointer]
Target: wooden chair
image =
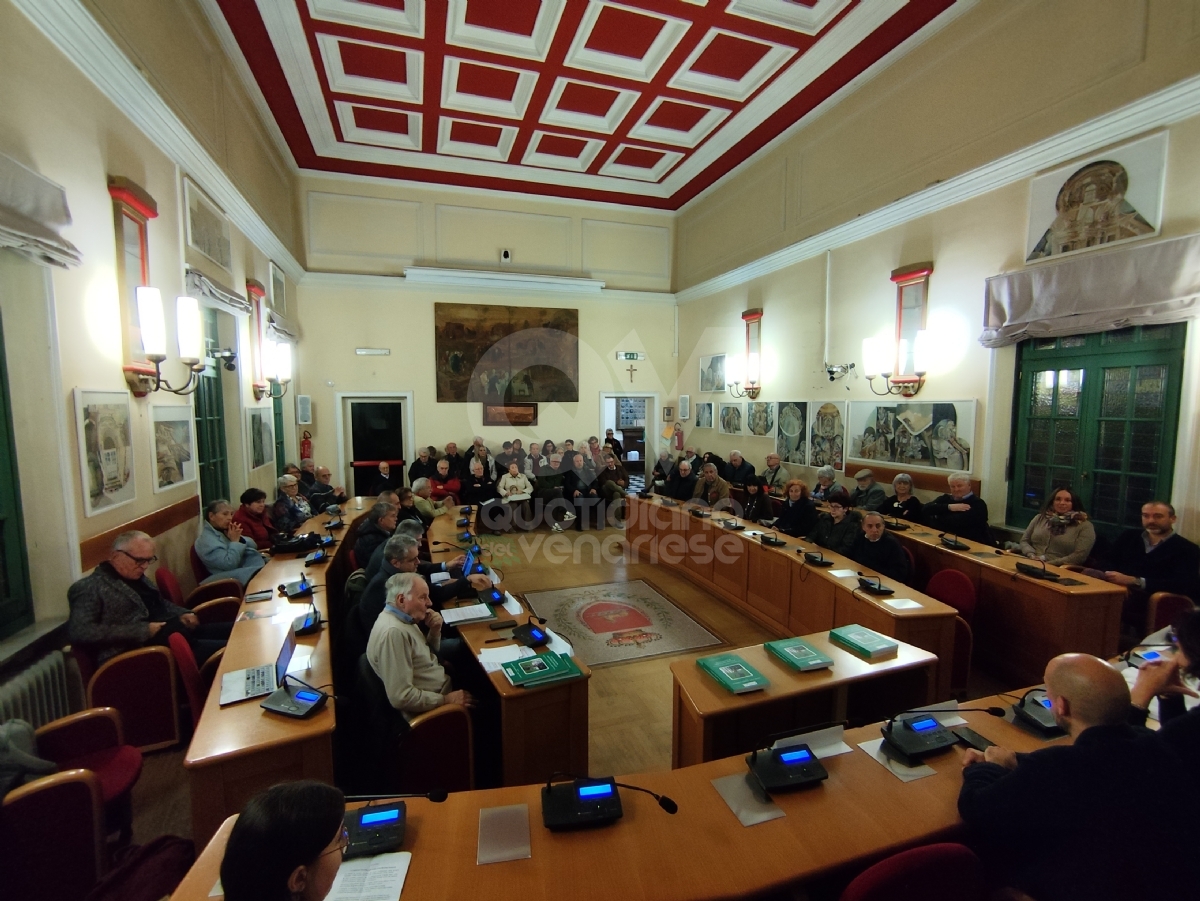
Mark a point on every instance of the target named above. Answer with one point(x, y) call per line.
point(168, 587)
point(954, 588)
point(1164, 608)
point(218, 610)
point(140, 684)
point(941, 872)
point(960, 669)
point(189, 675)
point(208, 672)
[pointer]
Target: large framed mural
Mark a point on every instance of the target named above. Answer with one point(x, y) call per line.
point(827, 434)
point(791, 439)
point(105, 449)
point(500, 354)
point(260, 424)
point(914, 435)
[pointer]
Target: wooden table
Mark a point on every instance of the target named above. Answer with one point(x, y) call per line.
point(239, 750)
point(543, 730)
point(776, 588)
point(1022, 623)
point(708, 722)
point(861, 813)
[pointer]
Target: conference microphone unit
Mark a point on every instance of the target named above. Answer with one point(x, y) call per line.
point(731, 524)
point(772, 540)
point(529, 634)
point(379, 829)
point(700, 514)
point(875, 587)
point(585, 803)
point(814, 558)
point(1139, 654)
point(474, 549)
point(896, 525)
point(308, 623)
point(1034, 710)
point(1034, 572)
point(953, 543)
point(912, 735)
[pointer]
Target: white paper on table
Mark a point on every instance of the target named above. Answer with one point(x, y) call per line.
point(378, 878)
point(558, 644)
point(946, 713)
point(492, 659)
point(904, 773)
point(439, 578)
point(823, 742)
point(751, 807)
point(476, 612)
point(218, 891)
point(288, 612)
point(842, 573)
point(299, 663)
point(901, 603)
point(512, 606)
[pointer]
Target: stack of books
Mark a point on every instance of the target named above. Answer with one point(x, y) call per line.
point(541, 669)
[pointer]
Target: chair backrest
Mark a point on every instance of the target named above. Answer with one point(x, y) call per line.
point(52, 838)
point(437, 752)
point(1165, 608)
point(168, 585)
point(941, 872)
point(208, 672)
point(954, 588)
point(960, 669)
point(141, 685)
point(913, 579)
point(352, 558)
point(199, 570)
point(189, 674)
point(218, 588)
point(379, 728)
point(218, 610)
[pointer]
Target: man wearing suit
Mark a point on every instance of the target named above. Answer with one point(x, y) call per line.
point(961, 512)
point(1153, 559)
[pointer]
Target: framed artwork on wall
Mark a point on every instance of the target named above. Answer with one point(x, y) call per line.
point(827, 434)
point(510, 414)
point(261, 425)
point(704, 415)
point(207, 227)
point(712, 373)
point(913, 435)
point(760, 418)
point(791, 439)
point(731, 419)
point(277, 293)
point(685, 407)
point(668, 414)
point(106, 453)
point(172, 445)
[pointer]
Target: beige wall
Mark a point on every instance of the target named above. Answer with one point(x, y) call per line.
point(1004, 75)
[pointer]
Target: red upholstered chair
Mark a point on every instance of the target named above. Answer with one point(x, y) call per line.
point(52, 838)
point(960, 669)
point(218, 610)
point(168, 587)
point(189, 675)
point(199, 570)
point(350, 555)
point(208, 672)
point(941, 872)
point(140, 684)
point(954, 588)
point(1164, 608)
point(92, 740)
point(913, 581)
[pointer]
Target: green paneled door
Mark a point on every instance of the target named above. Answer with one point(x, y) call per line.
point(211, 450)
point(277, 409)
point(1097, 413)
point(16, 598)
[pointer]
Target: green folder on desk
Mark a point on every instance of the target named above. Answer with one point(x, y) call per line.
point(733, 673)
point(863, 642)
point(798, 654)
point(540, 669)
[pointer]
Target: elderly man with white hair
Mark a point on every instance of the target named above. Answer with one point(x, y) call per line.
point(961, 512)
point(738, 470)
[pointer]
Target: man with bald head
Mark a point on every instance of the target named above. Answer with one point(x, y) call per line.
point(1051, 821)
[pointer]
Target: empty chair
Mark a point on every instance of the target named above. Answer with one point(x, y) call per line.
point(1164, 608)
point(218, 610)
point(189, 675)
point(168, 587)
point(140, 684)
point(199, 570)
point(941, 872)
point(960, 669)
point(914, 580)
point(954, 588)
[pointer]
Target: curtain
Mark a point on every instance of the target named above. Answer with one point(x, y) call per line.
point(1138, 284)
point(32, 210)
point(199, 285)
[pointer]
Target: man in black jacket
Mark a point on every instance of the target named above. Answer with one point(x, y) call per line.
point(400, 555)
point(681, 483)
point(1046, 819)
point(381, 522)
point(960, 512)
point(1153, 559)
point(738, 470)
point(876, 548)
point(424, 467)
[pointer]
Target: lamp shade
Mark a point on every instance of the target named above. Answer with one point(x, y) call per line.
point(151, 323)
point(283, 362)
point(873, 355)
point(753, 369)
point(191, 333)
point(735, 369)
point(922, 352)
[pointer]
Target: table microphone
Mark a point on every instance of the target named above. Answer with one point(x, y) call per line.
point(921, 736)
point(994, 711)
point(953, 543)
point(876, 587)
point(437, 796)
point(474, 549)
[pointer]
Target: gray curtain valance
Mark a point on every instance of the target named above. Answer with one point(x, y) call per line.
point(201, 286)
point(32, 210)
point(1095, 292)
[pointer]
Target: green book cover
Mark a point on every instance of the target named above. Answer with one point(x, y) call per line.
point(540, 669)
point(798, 654)
point(863, 642)
point(567, 669)
point(733, 673)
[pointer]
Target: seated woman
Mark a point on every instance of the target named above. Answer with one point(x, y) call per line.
point(515, 491)
point(1180, 728)
point(1061, 533)
point(444, 485)
point(757, 505)
point(579, 488)
point(287, 845)
point(427, 507)
point(837, 529)
point(223, 549)
point(796, 513)
point(407, 508)
point(714, 459)
point(291, 509)
point(254, 519)
point(903, 504)
point(662, 471)
point(478, 487)
point(825, 483)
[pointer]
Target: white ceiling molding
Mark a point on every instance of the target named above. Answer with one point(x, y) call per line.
point(407, 284)
point(73, 30)
point(509, 281)
point(1172, 104)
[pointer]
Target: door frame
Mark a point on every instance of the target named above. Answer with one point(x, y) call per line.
point(340, 397)
point(652, 430)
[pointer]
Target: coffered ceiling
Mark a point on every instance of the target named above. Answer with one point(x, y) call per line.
point(638, 102)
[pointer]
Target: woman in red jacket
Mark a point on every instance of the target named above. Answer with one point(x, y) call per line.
point(254, 519)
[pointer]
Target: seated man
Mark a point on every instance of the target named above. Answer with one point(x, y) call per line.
point(458, 465)
point(876, 548)
point(322, 494)
point(444, 484)
point(414, 530)
point(711, 490)
point(116, 608)
point(380, 524)
point(775, 475)
point(426, 507)
point(477, 487)
point(960, 512)
point(1153, 559)
point(400, 555)
point(503, 458)
point(612, 480)
point(386, 480)
point(424, 467)
point(869, 495)
point(223, 549)
point(1046, 818)
point(618, 448)
point(689, 455)
point(681, 483)
point(738, 469)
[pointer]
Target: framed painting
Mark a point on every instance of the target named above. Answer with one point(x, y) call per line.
point(207, 227)
point(261, 426)
point(704, 415)
point(510, 414)
point(760, 418)
point(731, 419)
point(827, 434)
point(913, 435)
point(712, 373)
point(791, 439)
point(172, 445)
point(668, 414)
point(105, 449)
point(277, 293)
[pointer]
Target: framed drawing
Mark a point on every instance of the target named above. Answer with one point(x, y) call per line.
point(685, 407)
point(106, 454)
point(668, 414)
point(913, 435)
point(712, 373)
point(704, 415)
point(791, 439)
point(827, 434)
point(171, 445)
point(760, 418)
point(731, 419)
point(1110, 198)
point(261, 424)
point(510, 414)
point(277, 293)
point(207, 227)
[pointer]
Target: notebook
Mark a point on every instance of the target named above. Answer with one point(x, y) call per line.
point(243, 684)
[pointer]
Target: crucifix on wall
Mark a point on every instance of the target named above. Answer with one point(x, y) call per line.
point(631, 370)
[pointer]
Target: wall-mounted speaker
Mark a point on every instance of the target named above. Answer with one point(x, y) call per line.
point(303, 409)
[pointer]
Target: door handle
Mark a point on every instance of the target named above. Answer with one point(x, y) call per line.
point(1083, 475)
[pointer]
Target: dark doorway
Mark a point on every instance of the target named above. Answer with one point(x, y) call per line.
point(376, 433)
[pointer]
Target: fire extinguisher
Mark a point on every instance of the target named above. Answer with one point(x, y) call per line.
point(306, 445)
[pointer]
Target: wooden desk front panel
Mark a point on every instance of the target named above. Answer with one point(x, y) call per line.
point(699, 557)
point(811, 601)
point(769, 577)
point(730, 559)
point(545, 731)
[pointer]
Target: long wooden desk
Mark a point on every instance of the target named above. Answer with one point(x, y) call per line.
point(709, 722)
point(1022, 623)
point(775, 587)
point(238, 751)
point(861, 813)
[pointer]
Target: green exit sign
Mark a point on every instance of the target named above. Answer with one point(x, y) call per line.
point(631, 356)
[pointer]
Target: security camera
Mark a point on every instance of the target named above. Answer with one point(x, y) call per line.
point(832, 373)
point(230, 366)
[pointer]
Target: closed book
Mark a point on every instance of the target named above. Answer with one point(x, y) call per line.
point(863, 642)
point(541, 669)
point(798, 654)
point(733, 673)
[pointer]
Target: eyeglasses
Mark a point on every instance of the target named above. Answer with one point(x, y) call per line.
point(140, 561)
point(343, 843)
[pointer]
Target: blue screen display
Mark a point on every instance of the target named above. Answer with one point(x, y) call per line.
point(1045, 702)
point(595, 791)
point(384, 816)
point(538, 634)
point(1150, 655)
point(307, 696)
point(795, 756)
point(924, 724)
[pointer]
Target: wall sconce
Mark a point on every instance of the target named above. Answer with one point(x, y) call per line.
point(880, 356)
point(143, 378)
point(277, 367)
point(749, 368)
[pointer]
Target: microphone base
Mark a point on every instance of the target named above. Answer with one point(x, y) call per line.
point(772, 542)
point(563, 807)
point(909, 747)
point(775, 772)
point(383, 834)
point(954, 544)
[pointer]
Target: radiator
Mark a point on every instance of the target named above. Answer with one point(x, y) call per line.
point(37, 694)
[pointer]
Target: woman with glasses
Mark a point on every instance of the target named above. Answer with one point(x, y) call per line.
point(837, 529)
point(291, 509)
point(287, 845)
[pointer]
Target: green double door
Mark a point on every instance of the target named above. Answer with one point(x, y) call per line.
point(1098, 414)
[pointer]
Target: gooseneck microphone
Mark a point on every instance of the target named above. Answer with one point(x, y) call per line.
point(994, 711)
point(664, 802)
point(437, 796)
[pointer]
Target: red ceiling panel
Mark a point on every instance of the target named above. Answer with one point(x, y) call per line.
point(514, 57)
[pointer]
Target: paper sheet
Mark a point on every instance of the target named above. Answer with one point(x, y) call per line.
point(747, 801)
point(378, 878)
point(503, 834)
point(471, 612)
point(842, 573)
point(300, 662)
point(439, 578)
point(512, 606)
point(823, 743)
point(492, 658)
point(948, 718)
point(897, 769)
point(901, 603)
point(217, 890)
point(558, 644)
